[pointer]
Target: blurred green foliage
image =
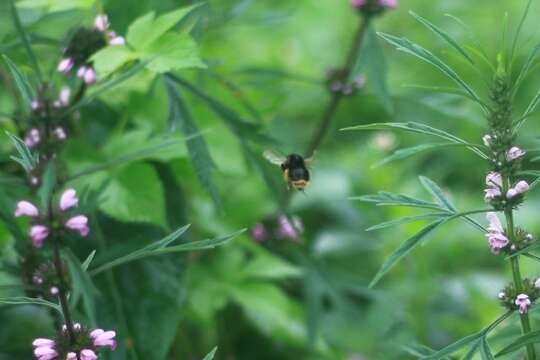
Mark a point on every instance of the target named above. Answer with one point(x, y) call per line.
point(261, 86)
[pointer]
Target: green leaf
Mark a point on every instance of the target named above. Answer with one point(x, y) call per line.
point(485, 351)
point(26, 159)
point(24, 37)
point(21, 81)
point(148, 29)
point(408, 47)
point(530, 338)
point(383, 198)
point(406, 220)
point(437, 192)
point(443, 35)
point(198, 149)
point(241, 128)
point(411, 151)
point(452, 348)
point(420, 129)
point(210, 355)
point(155, 250)
point(527, 66)
point(86, 263)
point(111, 58)
point(82, 287)
point(22, 300)
point(172, 52)
point(134, 194)
point(48, 183)
point(404, 250)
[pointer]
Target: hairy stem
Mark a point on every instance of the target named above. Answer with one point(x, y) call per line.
point(332, 106)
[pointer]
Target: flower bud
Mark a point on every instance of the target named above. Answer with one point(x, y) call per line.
point(514, 153)
point(65, 65)
point(523, 301)
point(26, 208)
point(487, 140)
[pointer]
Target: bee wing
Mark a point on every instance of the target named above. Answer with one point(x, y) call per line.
point(309, 161)
point(274, 157)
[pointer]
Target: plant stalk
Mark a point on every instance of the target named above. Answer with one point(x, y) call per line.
point(332, 106)
point(516, 273)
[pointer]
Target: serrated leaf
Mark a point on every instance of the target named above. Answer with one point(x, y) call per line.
point(210, 355)
point(22, 300)
point(152, 250)
point(437, 192)
point(148, 29)
point(111, 58)
point(21, 81)
point(198, 149)
point(443, 35)
point(404, 250)
point(411, 48)
point(420, 129)
point(383, 198)
point(135, 194)
point(172, 52)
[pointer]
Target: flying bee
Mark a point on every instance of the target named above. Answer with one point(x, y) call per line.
point(293, 166)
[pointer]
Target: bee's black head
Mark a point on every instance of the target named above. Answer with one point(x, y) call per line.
point(295, 160)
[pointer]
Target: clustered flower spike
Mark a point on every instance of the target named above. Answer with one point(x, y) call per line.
point(39, 232)
point(84, 43)
point(86, 344)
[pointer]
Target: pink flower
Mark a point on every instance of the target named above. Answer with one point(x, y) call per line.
point(26, 208)
point(63, 98)
point(391, 4)
point(101, 23)
point(496, 238)
point(522, 300)
point(87, 354)
point(88, 74)
point(359, 82)
point(35, 105)
point(103, 338)
point(494, 179)
point(258, 232)
point(78, 223)
point(60, 133)
point(288, 230)
point(520, 188)
point(514, 153)
point(68, 199)
point(117, 40)
point(491, 193)
point(38, 233)
point(358, 3)
point(65, 65)
point(487, 140)
point(33, 138)
point(44, 349)
point(71, 356)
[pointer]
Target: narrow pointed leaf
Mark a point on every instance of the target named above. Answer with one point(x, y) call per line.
point(21, 81)
point(82, 287)
point(452, 348)
point(383, 198)
point(437, 192)
point(404, 250)
point(530, 338)
point(22, 300)
point(210, 355)
point(406, 220)
point(443, 35)
point(411, 151)
point(485, 351)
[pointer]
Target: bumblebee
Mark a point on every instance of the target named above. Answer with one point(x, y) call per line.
point(294, 168)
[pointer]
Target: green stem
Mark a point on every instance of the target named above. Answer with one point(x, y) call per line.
point(337, 96)
point(516, 273)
